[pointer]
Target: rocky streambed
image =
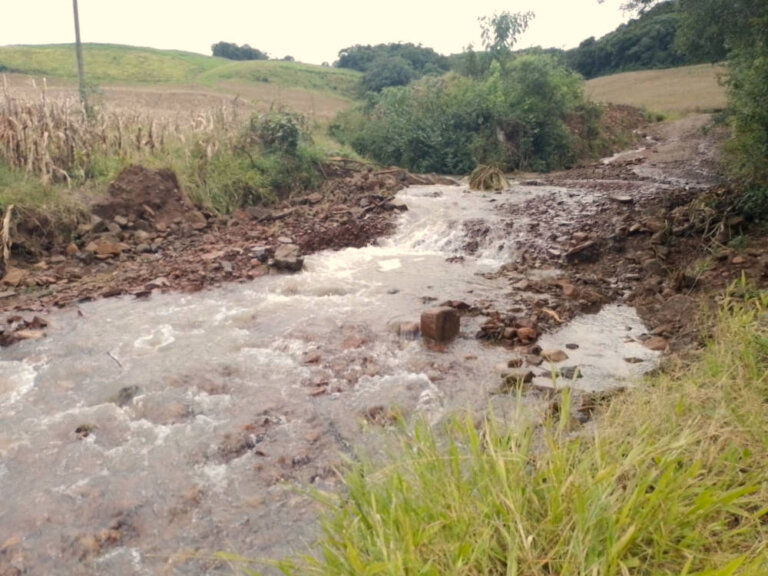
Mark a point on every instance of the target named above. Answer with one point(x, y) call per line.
point(148, 430)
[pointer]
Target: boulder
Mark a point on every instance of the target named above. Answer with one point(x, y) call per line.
point(440, 324)
point(287, 258)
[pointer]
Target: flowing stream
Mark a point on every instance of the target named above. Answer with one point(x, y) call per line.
point(142, 436)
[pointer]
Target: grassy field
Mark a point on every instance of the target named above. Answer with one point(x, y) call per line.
point(112, 65)
point(675, 91)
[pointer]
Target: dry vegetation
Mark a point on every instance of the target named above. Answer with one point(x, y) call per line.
point(53, 137)
point(676, 91)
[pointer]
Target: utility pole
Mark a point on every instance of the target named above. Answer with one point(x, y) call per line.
point(79, 52)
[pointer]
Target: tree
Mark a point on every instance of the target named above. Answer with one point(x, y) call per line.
point(501, 31)
point(388, 71)
point(235, 52)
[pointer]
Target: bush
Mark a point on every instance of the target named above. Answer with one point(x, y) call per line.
point(515, 118)
point(271, 158)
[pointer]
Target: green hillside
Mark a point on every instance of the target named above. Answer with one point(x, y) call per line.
point(115, 64)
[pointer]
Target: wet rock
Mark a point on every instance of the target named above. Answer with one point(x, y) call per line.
point(126, 395)
point(534, 360)
point(570, 372)
point(409, 330)
point(656, 343)
point(260, 253)
point(29, 334)
point(312, 357)
point(527, 334)
point(554, 356)
point(515, 379)
point(84, 430)
point(588, 251)
point(440, 324)
point(396, 205)
point(287, 258)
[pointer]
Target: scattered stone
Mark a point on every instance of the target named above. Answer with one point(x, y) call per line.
point(656, 343)
point(572, 346)
point(515, 363)
point(739, 260)
point(521, 285)
point(14, 276)
point(29, 334)
point(126, 395)
point(527, 334)
point(287, 258)
point(554, 356)
point(409, 330)
point(197, 220)
point(440, 324)
point(622, 199)
point(114, 228)
point(312, 357)
point(84, 430)
point(633, 360)
point(396, 205)
point(260, 253)
point(588, 251)
point(570, 372)
point(515, 379)
point(654, 267)
point(121, 221)
point(534, 360)
point(143, 249)
point(72, 249)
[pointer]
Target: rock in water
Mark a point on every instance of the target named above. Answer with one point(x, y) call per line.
point(287, 258)
point(409, 330)
point(440, 324)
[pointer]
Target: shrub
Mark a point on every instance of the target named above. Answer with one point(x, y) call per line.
point(516, 118)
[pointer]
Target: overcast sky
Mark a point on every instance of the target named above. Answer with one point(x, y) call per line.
point(311, 31)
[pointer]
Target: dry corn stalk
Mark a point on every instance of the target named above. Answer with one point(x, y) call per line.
point(6, 236)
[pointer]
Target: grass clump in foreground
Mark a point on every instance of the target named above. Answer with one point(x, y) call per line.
point(671, 480)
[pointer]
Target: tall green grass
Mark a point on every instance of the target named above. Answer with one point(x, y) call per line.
point(671, 479)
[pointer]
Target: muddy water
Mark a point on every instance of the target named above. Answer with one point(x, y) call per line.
point(140, 437)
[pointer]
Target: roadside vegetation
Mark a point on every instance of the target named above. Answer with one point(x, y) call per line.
point(668, 479)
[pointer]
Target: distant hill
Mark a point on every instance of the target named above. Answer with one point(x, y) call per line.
point(117, 64)
point(645, 43)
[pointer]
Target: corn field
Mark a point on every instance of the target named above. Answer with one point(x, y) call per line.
point(55, 139)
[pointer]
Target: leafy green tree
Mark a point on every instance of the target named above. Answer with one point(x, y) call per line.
point(501, 31)
point(235, 52)
point(388, 71)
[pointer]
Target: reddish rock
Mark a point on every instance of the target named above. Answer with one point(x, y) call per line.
point(440, 324)
point(72, 249)
point(527, 334)
point(14, 276)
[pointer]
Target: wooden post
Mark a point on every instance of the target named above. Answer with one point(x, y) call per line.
point(79, 53)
